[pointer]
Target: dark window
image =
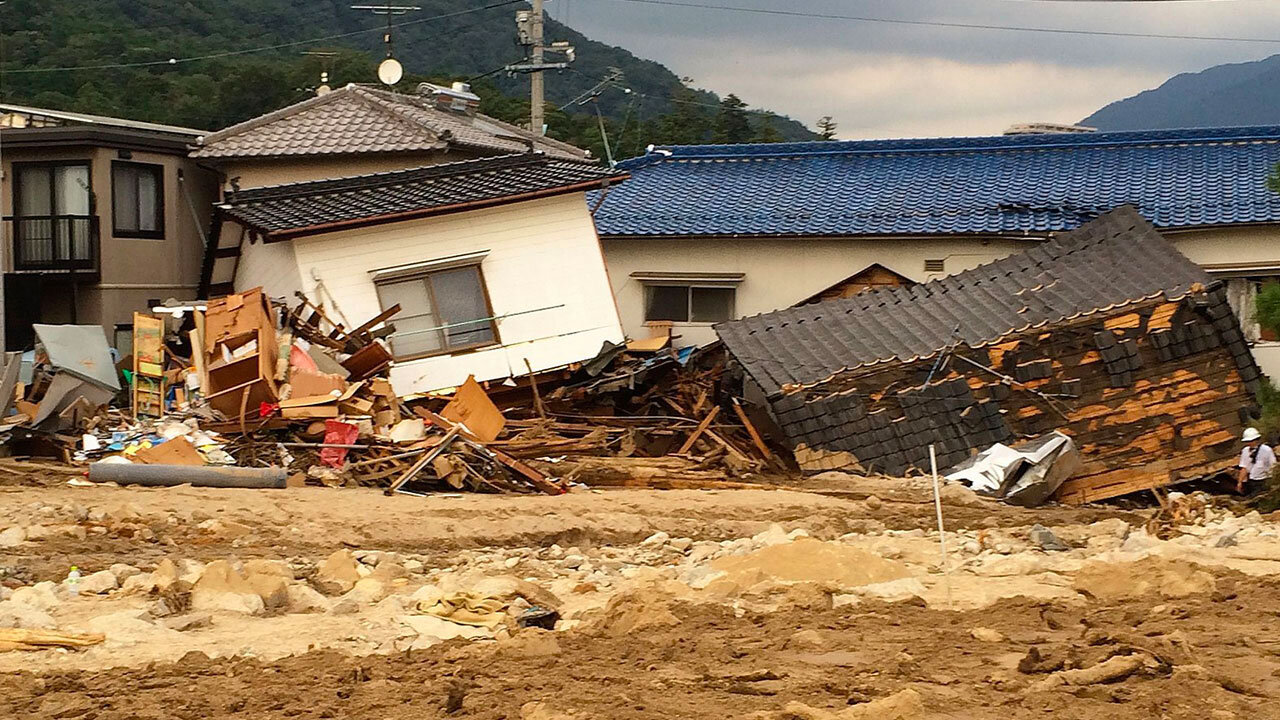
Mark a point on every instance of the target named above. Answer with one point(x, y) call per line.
point(440, 312)
point(53, 212)
point(688, 303)
point(1265, 334)
point(137, 200)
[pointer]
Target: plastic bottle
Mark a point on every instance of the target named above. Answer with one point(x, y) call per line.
point(73, 581)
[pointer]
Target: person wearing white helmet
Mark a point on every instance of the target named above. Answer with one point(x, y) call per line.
point(1257, 460)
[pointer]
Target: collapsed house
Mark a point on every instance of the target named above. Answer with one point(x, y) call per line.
point(1107, 334)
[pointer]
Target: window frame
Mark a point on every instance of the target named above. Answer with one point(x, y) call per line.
point(18, 168)
point(139, 234)
point(689, 287)
point(431, 293)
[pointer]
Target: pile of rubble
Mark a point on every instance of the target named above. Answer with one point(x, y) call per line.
point(247, 391)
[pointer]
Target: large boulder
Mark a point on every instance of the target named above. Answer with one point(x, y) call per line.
point(222, 589)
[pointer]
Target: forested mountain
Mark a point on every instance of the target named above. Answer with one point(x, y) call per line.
point(48, 48)
point(1221, 96)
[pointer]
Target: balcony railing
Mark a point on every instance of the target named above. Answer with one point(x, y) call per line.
point(59, 243)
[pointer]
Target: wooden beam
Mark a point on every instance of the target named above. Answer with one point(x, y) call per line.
point(697, 432)
point(751, 430)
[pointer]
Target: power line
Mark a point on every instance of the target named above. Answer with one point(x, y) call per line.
point(268, 48)
point(959, 25)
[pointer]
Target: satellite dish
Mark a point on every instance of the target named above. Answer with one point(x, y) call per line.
point(390, 71)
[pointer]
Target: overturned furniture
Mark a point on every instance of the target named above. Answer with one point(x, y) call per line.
point(1107, 334)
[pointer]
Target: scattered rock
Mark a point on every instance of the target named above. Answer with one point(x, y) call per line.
point(345, 606)
point(957, 494)
point(573, 562)
point(140, 584)
point(338, 574)
point(99, 583)
point(367, 590)
point(272, 588)
point(18, 615)
point(267, 567)
point(657, 539)
point(982, 634)
point(681, 544)
point(301, 598)
point(807, 639)
point(191, 621)
point(123, 572)
point(41, 596)
point(166, 577)
point(221, 588)
point(1044, 538)
point(12, 537)
point(873, 503)
point(902, 705)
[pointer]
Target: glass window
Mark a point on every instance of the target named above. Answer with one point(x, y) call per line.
point(667, 302)
point(137, 200)
point(440, 312)
point(688, 303)
point(711, 304)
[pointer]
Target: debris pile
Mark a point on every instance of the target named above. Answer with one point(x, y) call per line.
point(247, 391)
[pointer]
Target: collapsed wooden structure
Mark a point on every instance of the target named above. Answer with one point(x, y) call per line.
point(1106, 333)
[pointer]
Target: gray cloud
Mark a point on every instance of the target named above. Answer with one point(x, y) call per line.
point(882, 80)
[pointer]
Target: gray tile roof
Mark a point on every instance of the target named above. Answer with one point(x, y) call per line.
point(288, 210)
point(357, 119)
point(1116, 259)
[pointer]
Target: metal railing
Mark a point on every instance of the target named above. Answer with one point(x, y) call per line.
point(54, 242)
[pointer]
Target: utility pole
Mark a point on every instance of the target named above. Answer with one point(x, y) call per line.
point(529, 31)
point(537, 91)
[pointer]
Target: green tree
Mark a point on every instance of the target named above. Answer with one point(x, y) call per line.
point(1268, 306)
point(765, 131)
point(826, 128)
point(688, 123)
point(731, 123)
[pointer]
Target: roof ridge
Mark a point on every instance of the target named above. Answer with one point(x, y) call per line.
point(388, 107)
point(284, 112)
point(961, 144)
point(367, 181)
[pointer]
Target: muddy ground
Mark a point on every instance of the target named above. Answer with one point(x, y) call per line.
point(657, 627)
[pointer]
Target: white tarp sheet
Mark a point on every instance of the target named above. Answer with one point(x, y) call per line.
point(1026, 474)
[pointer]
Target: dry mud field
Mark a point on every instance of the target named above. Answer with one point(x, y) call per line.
point(830, 600)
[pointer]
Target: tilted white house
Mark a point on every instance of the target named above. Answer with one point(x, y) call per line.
point(495, 262)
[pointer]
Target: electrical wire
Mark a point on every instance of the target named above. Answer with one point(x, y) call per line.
point(957, 25)
point(268, 48)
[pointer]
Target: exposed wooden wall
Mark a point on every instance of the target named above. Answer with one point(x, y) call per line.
point(1152, 394)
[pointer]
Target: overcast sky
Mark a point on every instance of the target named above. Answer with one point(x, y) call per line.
point(881, 80)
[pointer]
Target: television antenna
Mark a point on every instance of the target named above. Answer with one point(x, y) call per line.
point(327, 59)
point(390, 71)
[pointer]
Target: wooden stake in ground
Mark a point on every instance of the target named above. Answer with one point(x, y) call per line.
point(942, 533)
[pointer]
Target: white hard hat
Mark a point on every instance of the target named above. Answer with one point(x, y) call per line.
point(1250, 434)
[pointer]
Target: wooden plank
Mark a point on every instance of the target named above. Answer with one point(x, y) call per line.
point(424, 461)
point(472, 408)
point(148, 365)
point(697, 431)
point(751, 430)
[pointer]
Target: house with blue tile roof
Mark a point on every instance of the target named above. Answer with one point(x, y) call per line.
point(701, 234)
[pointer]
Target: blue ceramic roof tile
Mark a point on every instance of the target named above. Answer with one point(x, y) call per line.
point(1014, 184)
